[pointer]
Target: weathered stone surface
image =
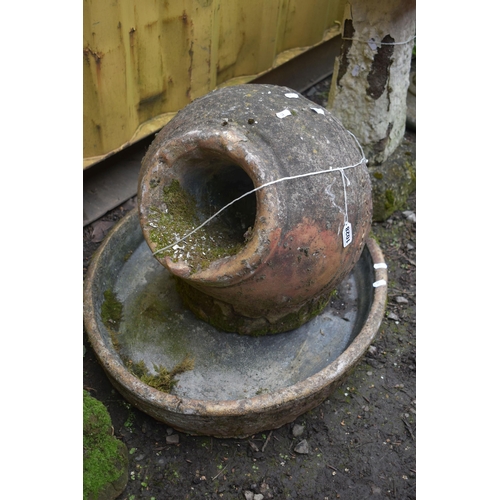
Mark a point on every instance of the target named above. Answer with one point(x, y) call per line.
point(371, 76)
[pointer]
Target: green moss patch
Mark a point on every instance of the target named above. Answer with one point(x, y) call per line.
point(111, 315)
point(105, 460)
point(111, 310)
point(393, 182)
point(211, 242)
point(163, 380)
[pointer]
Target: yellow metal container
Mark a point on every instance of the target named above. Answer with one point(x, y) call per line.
point(145, 60)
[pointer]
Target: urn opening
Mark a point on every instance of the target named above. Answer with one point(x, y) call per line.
point(212, 182)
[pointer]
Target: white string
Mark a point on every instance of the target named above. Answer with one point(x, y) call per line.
point(372, 40)
point(344, 178)
point(270, 183)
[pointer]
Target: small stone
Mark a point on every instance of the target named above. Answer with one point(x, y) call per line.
point(253, 446)
point(264, 487)
point(259, 496)
point(302, 448)
point(372, 349)
point(248, 495)
point(393, 316)
point(409, 246)
point(401, 300)
point(173, 439)
point(170, 431)
point(297, 430)
point(410, 215)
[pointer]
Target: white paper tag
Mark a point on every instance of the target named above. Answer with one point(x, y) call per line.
point(347, 234)
point(283, 113)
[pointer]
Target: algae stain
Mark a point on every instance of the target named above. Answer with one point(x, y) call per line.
point(111, 309)
point(153, 336)
point(148, 308)
point(111, 315)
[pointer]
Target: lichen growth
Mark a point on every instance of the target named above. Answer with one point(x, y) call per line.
point(178, 217)
point(163, 380)
point(104, 457)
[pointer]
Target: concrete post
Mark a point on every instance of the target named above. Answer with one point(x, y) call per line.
point(371, 76)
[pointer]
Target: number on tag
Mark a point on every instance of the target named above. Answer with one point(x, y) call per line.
point(347, 234)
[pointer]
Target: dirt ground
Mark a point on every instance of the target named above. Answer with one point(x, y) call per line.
point(361, 440)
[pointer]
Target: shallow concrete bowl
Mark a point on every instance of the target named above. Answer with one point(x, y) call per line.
point(240, 385)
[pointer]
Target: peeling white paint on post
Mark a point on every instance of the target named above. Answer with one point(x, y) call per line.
point(371, 75)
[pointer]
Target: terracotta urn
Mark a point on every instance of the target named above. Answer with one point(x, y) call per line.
point(258, 201)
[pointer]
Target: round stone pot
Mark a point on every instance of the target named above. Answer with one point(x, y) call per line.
point(268, 262)
point(238, 385)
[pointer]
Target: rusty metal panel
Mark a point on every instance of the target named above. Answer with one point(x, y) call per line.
point(143, 61)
